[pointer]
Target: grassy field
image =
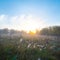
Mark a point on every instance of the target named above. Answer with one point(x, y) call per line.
point(29, 48)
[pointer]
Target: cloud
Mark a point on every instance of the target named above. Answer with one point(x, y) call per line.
point(3, 17)
point(21, 22)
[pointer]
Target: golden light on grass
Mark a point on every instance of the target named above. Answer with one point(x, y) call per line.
point(32, 32)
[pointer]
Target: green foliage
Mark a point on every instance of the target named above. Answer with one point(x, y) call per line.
point(55, 30)
point(11, 48)
point(8, 53)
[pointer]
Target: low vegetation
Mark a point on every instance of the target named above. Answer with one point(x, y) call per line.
point(21, 46)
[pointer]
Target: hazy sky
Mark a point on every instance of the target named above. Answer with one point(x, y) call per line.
point(17, 14)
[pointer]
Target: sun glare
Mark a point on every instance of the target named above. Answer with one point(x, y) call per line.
point(32, 32)
point(28, 23)
point(30, 26)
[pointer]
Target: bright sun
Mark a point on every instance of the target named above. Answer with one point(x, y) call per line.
point(30, 26)
point(32, 32)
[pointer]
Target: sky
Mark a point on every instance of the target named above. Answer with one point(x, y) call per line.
point(29, 14)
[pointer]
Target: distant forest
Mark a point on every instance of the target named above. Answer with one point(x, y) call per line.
point(54, 30)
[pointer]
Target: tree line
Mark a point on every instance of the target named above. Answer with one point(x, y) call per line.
point(54, 30)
